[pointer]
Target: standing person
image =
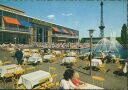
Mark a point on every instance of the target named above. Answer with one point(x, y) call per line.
point(102, 56)
point(19, 56)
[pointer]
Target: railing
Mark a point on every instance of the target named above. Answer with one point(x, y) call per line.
point(16, 30)
point(61, 35)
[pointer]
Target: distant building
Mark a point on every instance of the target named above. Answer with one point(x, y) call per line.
point(95, 40)
point(16, 27)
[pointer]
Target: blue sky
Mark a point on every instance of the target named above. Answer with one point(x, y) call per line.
point(81, 15)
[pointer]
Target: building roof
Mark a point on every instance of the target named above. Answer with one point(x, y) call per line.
point(2, 6)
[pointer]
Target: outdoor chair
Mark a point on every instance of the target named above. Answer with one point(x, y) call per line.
point(118, 64)
point(62, 55)
point(75, 62)
point(102, 67)
point(29, 68)
point(8, 75)
point(98, 78)
point(49, 84)
point(52, 60)
point(7, 62)
point(17, 73)
point(86, 61)
point(52, 70)
point(20, 87)
point(1, 63)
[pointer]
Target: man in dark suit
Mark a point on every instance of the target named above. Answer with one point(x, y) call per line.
point(19, 56)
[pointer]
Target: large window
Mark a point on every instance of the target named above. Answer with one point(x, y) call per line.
point(0, 12)
point(5, 13)
point(0, 21)
point(11, 27)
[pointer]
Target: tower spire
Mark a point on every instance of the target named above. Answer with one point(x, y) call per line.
point(101, 27)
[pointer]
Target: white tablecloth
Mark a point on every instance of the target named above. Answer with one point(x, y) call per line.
point(35, 58)
point(71, 54)
point(90, 86)
point(31, 79)
point(96, 62)
point(125, 69)
point(49, 57)
point(68, 59)
point(57, 52)
point(3, 69)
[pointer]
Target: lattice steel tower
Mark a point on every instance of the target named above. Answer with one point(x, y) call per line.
point(101, 27)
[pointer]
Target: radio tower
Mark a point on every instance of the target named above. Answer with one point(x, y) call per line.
point(101, 27)
point(127, 13)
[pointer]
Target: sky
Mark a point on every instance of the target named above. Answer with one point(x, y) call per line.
point(80, 15)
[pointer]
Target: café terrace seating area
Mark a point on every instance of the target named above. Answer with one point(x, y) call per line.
point(47, 71)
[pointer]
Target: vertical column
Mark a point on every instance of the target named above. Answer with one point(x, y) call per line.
point(43, 35)
point(31, 37)
point(50, 37)
point(34, 34)
point(3, 24)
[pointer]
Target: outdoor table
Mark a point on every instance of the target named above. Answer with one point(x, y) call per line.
point(31, 79)
point(48, 57)
point(68, 60)
point(71, 54)
point(96, 62)
point(1, 63)
point(57, 52)
point(90, 86)
point(125, 68)
point(35, 58)
point(3, 69)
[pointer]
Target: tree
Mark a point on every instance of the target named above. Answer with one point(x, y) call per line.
point(124, 36)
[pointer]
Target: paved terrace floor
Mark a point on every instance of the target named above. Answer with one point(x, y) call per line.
point(112, 81)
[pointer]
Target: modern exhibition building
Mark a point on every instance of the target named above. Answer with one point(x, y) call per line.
point(16, 27)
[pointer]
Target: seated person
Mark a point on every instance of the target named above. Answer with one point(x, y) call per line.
point(70, 81)
point(76, 79)
point(66, 82)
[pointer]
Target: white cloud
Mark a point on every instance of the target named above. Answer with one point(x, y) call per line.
point(51, 16)
point(76, 23)
point(67, 14)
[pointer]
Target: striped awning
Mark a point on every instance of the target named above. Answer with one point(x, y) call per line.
point(11, 20)
point(71, 32)
point(65, 31)
point(24, 22)
point(55, 29)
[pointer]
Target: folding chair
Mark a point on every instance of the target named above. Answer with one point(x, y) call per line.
point(86, 62)
point(75, 62)
point(98, 78)
point(102, 67)
point(52, 69)
point(49, 84)
point(29, 68)
point(7, 62)
point(1, 63)
point(19, 72)
point(8, 75)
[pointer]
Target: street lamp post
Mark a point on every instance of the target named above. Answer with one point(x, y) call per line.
point(15, 40)
point(91, 35)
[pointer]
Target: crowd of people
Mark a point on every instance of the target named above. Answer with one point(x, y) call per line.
point(46, 45)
